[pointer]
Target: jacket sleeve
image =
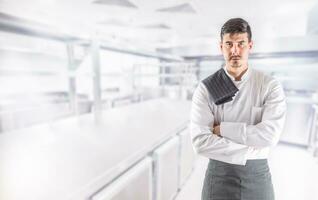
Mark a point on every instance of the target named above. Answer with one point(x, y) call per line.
point(267, 132)
point(204, 142)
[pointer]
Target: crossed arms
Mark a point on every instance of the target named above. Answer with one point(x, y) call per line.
point(231, 141)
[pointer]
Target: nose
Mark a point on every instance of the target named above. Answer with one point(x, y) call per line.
point(235, 49)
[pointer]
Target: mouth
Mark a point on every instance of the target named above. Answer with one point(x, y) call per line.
point(235, 58)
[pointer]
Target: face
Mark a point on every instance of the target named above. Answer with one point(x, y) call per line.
point(235, 49)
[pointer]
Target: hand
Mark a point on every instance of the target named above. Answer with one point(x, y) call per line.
point(216, 130)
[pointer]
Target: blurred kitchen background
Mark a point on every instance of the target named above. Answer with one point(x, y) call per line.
point(95, 95)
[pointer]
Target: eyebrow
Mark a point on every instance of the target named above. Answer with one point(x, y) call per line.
point(233, 41)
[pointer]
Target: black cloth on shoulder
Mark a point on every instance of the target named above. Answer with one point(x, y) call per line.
point(220, 87)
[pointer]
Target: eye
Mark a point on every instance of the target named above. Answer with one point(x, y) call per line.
point(241, 44)
point(228, 44)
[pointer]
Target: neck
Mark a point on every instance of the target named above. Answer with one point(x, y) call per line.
point(236, 72)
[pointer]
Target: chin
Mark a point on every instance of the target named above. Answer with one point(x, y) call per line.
point(236, 65)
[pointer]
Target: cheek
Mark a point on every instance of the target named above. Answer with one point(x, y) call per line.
point(245, 53)
point(226, 54)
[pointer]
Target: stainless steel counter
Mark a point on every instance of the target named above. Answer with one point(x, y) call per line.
point(74, 157)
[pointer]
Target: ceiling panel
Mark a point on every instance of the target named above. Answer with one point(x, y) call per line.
point(186, 23)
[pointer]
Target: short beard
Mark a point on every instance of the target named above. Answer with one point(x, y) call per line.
point(236, 65)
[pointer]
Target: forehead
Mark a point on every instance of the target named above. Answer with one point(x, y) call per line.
point(235, 37)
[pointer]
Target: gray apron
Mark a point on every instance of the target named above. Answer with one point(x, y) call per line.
point(224, 181)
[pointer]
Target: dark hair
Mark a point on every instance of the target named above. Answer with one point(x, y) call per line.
point(236, 25)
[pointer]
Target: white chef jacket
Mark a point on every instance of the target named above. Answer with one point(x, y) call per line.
point(249, 124)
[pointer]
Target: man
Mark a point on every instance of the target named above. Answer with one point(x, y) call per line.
point(237, 135)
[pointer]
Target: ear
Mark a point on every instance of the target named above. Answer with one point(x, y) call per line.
point(250, 44)
point(221, 46)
